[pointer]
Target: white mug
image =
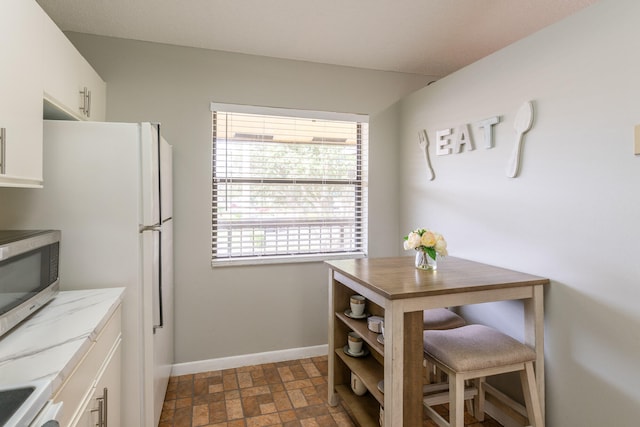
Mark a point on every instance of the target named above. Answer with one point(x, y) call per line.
point(355, 343)
point(357, 385)
point(357, 305)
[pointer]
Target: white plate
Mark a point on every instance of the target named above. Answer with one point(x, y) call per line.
point(364, 352)
point(380, 339)
point(381, 386)
point(348, 313)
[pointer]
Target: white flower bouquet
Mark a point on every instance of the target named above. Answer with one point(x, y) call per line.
point(426, 241)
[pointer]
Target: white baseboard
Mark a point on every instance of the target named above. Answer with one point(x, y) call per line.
point(231, 362)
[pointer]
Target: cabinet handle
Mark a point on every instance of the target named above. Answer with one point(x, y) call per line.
point(3, 151)
point(106, 402)
point(100, 413)
point(102, 408)
point(83, 100)
point(86, 101)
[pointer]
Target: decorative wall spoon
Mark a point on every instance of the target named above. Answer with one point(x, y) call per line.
point(522, 124)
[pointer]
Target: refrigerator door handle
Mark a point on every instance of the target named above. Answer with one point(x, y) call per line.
point(157, 228)
point(160, 325)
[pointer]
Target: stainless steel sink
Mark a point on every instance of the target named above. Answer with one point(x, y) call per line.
point(11, 400)
point(20, 403)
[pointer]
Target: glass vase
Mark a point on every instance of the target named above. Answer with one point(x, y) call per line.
point(424, 261)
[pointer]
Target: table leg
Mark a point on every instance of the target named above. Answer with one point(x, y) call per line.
point(403, 354)
point(393, 364)
point(534, 336)
point(332, 397)
point(413, 367)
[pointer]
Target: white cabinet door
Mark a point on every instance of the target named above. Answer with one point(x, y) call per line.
point(61, 74)
point(103, 407)
point(71, 85)
point(98, 369)
point(96, 105)
point(21, 93)
point(86, 415)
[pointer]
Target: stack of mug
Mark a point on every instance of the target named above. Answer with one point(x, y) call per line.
point(355, 344)
point(357, 385)
point(357, 303)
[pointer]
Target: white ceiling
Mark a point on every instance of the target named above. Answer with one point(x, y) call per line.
point(429, 37)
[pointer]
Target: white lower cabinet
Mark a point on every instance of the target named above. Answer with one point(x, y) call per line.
point(102, 409)
point(91, 394)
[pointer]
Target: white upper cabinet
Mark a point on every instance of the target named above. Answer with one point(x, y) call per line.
point(21, 47)
point(70, 83)
point(95, 92)
point(38, 63)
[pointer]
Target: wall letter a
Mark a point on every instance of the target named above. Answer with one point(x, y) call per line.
point(464, 139)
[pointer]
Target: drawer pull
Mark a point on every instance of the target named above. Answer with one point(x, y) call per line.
point(102, 408)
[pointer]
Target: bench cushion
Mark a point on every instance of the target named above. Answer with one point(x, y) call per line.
point(473, 347)
point(441, 318)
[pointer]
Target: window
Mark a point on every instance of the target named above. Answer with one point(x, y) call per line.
point(287, 185)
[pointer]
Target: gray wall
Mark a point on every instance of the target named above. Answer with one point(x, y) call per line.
point(242, 310)
point(573, 213)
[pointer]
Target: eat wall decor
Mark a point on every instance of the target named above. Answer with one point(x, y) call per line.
point(459, 139)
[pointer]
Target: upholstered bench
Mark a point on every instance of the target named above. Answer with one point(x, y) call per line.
point(441, 318)
point(474, 352)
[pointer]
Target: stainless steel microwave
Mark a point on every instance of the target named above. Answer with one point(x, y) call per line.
point(29, 263)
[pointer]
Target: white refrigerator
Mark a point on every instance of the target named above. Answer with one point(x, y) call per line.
point(108, 188)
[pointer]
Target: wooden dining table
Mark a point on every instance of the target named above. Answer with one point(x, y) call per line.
point(400, 292)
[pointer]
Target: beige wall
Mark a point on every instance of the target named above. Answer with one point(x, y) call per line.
point(243, 310)
point(572, 215)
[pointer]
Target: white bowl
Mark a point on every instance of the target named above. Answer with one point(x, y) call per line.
point(374, 323)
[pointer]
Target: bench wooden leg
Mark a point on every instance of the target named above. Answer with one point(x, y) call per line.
point(456, 400)
point(478, 401)
point(530, 391)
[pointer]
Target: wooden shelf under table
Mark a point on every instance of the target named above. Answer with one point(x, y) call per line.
point(369, 371)
point(363, 409)
point(360, 327)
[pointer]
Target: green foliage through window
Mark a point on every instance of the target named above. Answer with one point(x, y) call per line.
point(286, 186)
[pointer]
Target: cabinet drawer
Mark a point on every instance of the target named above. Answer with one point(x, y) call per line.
point(109, 379)
point(79, 385)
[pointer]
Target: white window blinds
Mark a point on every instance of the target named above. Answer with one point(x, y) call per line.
point(287, 185)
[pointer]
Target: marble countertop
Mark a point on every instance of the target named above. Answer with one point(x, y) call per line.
point(48, 345)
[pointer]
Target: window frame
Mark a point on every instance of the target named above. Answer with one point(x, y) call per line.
point(361, 186)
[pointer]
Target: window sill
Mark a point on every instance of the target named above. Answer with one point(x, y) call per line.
point(287, 259)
